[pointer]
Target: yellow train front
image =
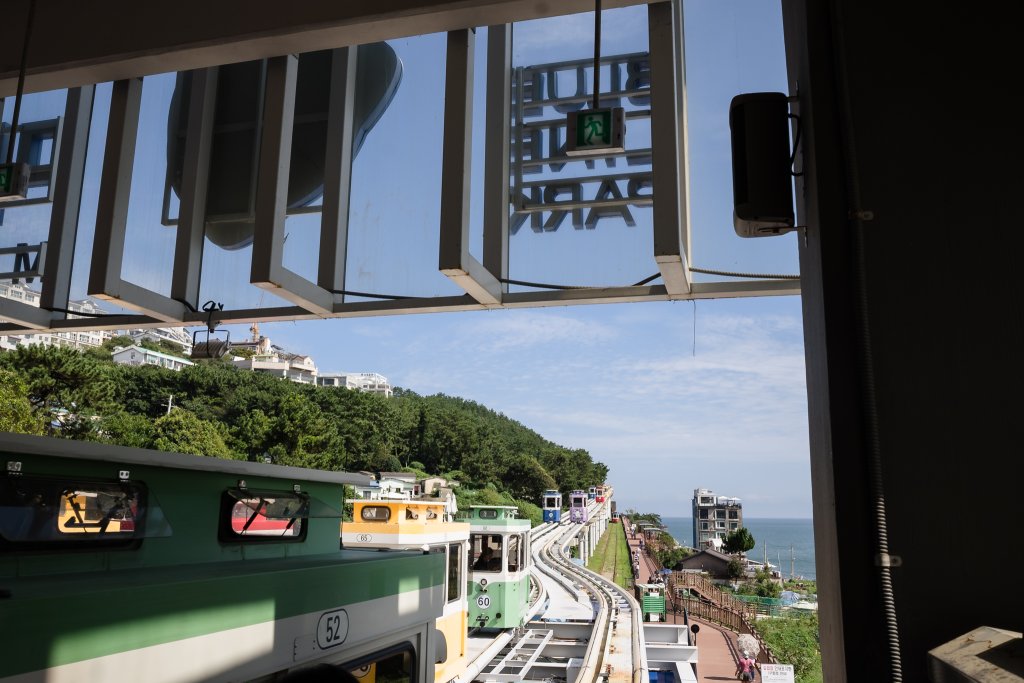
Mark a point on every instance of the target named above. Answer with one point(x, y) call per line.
point(422, 525)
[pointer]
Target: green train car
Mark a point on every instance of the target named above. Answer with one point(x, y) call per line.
point(500, 561)
point(126, 564)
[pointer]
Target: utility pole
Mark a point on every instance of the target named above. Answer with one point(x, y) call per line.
point(170, 403)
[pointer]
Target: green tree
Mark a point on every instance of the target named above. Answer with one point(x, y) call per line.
point(738, 540)
point(183, 432)
point(65, 387)
point(735, 569)
point(127, 429)
point(16, 414)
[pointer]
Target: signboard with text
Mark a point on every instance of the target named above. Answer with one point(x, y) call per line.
point(550, 182)
point(777, 673)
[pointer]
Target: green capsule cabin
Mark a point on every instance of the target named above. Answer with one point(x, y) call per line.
point(500, 561)
point(129, 564)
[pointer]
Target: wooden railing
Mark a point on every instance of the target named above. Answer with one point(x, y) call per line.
point(717, 606)
point(707, 588)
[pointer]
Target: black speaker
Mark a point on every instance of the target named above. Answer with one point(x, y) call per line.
point(761, 168)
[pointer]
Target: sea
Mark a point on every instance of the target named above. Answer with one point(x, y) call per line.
point(789, 542)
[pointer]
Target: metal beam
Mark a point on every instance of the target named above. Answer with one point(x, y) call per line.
point(496, 151)
point(67, 198)
point(188, 248)
point(454, 259)
point(338, 172)
point(23, 315)
point(667, 181)
point(76, 45)
point(115, 184)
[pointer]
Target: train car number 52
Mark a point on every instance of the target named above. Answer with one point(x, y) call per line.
point(332, 629)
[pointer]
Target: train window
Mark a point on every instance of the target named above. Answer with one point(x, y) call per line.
point(486, 549)
point(549, 502)
point(454, 571)
point(375, 513)
point(63, 512)
point(395, 665)
point(488, 514)
point(515, 559)
point(249, 515)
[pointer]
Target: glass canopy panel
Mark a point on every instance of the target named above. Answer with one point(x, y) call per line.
point(230, 205)
point(86, 226)
point(604, 236)
point(395, 205)
point(482, 128)
point(151, 228)
point(27, 222)
point(732, 47)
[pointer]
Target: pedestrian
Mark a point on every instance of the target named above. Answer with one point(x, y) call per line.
point(746, 670)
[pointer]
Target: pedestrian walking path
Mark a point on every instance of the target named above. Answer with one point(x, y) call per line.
point(717, 649)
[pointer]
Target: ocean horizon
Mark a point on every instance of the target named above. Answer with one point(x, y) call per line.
point(789, 541)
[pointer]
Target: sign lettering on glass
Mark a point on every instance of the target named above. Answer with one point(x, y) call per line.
point(548, 184)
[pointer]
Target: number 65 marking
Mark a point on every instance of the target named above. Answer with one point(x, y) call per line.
point(332, 629)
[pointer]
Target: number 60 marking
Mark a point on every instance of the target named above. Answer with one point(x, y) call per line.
point(332, 629)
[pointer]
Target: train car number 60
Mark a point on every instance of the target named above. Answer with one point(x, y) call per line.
point(332, 628)
point(483, 602)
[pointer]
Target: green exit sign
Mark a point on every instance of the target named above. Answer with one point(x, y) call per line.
point(13, 181)
point(595, 132)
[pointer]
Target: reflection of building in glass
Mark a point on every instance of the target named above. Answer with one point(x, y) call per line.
point(714, 517)
point(75, 339)
point(173, 335)
point(370, 382)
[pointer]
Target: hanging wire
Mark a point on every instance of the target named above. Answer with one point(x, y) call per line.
point(597, 54)
point(21, 81)
point(757, 276)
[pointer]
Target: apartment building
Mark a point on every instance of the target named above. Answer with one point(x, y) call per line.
point(714, 517)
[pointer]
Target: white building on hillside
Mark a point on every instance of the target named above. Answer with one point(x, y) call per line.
point(76, 339)
point(370, 382)
point(136, 355)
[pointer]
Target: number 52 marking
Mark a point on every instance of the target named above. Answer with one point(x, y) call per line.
point(332, 629)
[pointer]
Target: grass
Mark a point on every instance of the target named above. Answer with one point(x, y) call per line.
point(611, 557)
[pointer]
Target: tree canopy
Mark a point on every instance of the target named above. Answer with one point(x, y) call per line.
point(739, 540)
point(218, 410)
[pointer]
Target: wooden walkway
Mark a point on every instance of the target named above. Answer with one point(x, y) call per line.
point(717, 651)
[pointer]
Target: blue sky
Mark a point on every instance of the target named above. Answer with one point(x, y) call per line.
point(668, 403)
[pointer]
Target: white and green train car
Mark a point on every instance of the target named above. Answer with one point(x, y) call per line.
point(132, 565)
point(500, 561)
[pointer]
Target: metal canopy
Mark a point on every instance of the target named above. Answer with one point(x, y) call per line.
point(485, 284)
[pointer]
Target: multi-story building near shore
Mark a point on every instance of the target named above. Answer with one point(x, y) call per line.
point(714, 517)
point(370, 382)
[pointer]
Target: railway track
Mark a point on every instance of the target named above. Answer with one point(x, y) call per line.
point(583, 628)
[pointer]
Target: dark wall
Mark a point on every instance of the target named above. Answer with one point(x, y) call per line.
point(908, 118)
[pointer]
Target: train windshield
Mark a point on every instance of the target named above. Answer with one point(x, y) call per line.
point(486, 549)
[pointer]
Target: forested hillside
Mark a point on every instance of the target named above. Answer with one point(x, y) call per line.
point(223, 412)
